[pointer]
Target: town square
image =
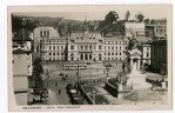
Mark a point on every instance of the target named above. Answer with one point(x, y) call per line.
point(117, 59)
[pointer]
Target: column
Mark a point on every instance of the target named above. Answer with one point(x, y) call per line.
point(83, 56)
point(131, 62)
point(138, 64)
point(87, 56)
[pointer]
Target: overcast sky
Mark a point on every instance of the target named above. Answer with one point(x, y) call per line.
point(98, 12)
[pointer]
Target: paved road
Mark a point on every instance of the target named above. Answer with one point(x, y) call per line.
point(55, 81)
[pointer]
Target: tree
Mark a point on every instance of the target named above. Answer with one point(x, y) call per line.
point(37, 71)
point(140, 17)
point(17, 24)
point(111, 24)
point(127, 15)
point(111, 17)
point(132, 43)
point(146, 21)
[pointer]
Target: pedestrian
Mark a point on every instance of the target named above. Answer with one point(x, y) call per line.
point(56, 84)
point(66, 75)
point(59, 91)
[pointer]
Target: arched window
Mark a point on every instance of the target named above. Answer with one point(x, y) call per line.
point(72, 56)
point(99, 56)
point(47, 33)
point(41, 34)
point(44, 33)
point(81, 56)
point(86, 57)
point(90, 56)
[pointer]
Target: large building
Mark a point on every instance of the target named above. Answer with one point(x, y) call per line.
point(42, 33)
point(22, 69)
point(88, 46)
point(83, 47)
point(159, 56)
point(145, 49)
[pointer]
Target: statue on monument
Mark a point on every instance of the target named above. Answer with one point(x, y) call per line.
point(132, 44)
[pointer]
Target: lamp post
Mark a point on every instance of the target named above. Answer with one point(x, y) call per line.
point(94, 94)
point(108, 66)
point(78, 72)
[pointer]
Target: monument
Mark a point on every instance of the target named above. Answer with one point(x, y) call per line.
point(136, 80)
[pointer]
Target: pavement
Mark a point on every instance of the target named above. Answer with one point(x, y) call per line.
point(56, 83)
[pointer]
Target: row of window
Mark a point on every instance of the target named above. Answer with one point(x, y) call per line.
point(44, 33)
point(112, 53)
point(113, 58)
point(64, 42)
point(54, 54)
point(54, 42)
point(112, 42)
point(90, 47)
point(62, 54)
point(54, 47)
point(84, 47)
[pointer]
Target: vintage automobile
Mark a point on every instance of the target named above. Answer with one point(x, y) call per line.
point(40, 95)
point(76, 99)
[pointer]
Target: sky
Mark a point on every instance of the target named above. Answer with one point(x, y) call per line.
point(97, 12)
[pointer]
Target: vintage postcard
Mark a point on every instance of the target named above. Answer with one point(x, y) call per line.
point(90, 57)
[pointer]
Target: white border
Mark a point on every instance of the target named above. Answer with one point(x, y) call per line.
point(3, 36)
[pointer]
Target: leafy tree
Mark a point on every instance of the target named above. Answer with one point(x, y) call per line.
point(111, 17)
point(111, 24)
point(17, 24)
point(146, 21)
point(132, 43)
point(140, 17)
point(127, 15)
point(37, 71)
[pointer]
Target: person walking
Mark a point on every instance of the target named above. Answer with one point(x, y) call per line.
point(59, 91)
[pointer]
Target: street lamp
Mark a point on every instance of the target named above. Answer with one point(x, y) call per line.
point(108, 66)
point(78, 72)
point(94, 94)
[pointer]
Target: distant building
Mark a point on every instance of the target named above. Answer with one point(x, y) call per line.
point(53, 49)
point(157, 28)
point(145, 49)
point(43, 33)
point(134, 29)
point(159, 56)
point(22, 69)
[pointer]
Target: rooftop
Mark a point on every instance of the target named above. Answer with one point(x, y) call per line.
point(21, 39)
point(21, 51)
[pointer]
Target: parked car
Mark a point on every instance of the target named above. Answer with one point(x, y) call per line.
point(69, 86)
point(40, 95)
point(75, 98)
point(72, 91)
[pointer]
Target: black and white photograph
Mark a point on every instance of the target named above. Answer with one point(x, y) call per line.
point(84, 55)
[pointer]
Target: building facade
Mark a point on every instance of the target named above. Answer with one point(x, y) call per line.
point(145, 49)
point(159, 56)
point(158, 27)
point(83, 47)
point(134, 29)
point(22, 69)
point(42, 33)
